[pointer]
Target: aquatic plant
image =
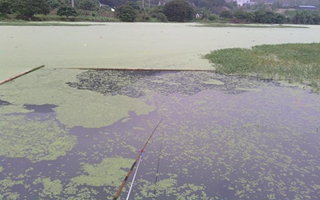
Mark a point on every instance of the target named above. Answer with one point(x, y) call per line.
point(294, 63)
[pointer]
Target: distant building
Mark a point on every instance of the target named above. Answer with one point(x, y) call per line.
point(240, 2)
point(161, 3)
point(305, 7)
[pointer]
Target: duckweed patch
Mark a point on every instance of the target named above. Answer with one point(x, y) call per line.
point(34, 139)
point(52, 189)
point(109, 172)
point(49, 87)
point(6, 186)
point(169, 188)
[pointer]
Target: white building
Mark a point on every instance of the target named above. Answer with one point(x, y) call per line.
point(241, 2)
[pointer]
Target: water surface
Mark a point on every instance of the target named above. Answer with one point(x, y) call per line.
point(222, 137)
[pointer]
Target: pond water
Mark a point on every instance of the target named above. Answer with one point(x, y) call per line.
point(71, 134)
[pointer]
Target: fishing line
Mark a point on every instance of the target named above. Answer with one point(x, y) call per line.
point(134, 177)
point(157, 173)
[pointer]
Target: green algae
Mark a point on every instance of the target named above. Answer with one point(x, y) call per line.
point(249, 89)
point(12, 196)
point(169, 187)
point(139, 128)
point(165, 186)
point(5, 188)
point(214, 82)
point(13, 109)
point(109, 172)
point(49, 87)
point(34, 139)
point(296, 85)
point(52, 189)
point(79, 194)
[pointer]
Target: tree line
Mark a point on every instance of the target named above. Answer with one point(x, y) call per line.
point(270, 17)
point(27, 9)
point(175, 10)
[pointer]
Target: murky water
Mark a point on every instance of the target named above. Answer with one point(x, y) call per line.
point(222, 137)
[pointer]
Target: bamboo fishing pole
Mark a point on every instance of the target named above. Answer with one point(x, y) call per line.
point(133, 165)
point(17, 76)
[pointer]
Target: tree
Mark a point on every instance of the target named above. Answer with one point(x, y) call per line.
point(269, 17)
point(134, 5)
point(67, 11)
point(88, 5)
point(5, 6)
point(248, 17)
point(209, 4)
point(217, 3)
point(28, 8)
point(126, 13)
point(114, 3)
point(178, 11)
point(161, 17)
point(232, 5)
point(58, 3)
point(226, 14)
point(304, 17)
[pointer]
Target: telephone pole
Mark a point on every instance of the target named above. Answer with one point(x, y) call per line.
point(72, 3)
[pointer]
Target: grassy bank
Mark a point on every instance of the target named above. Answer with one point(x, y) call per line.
point(294, 63)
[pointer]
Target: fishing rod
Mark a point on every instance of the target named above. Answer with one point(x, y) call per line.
point(134, 176)
point(116, 196)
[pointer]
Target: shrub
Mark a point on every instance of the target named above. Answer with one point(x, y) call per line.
point(178, 11)
point(58, 3)
point(304, 17)
point(161, 17)
point(249, 17)
point(88, 5)
point(5, 7)
point(212, 17)
point(226, 14)
point(134, 5)
point(269, 17)
point(67, 11)
point(126, 13)
point(28, 8)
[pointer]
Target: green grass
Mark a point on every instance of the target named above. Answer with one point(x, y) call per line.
point(294, 63)
point(222, 25)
